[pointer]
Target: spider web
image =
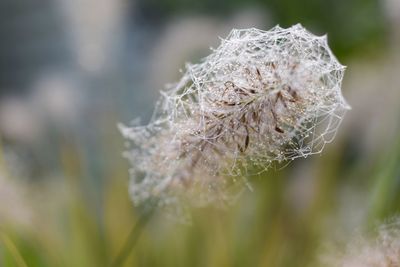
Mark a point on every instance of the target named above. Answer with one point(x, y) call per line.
point(260, 98)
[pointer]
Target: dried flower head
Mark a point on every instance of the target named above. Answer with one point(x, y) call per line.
point(260, 97)
point(383, 250)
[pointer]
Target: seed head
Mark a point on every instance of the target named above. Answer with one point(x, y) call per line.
point(381, 250)
point(261, 97)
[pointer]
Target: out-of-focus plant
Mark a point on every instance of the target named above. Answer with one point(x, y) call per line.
point(353, 25)
point(380, 250)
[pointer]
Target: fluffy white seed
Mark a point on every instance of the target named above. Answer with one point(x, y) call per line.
point(261, 97)
point(379, 250)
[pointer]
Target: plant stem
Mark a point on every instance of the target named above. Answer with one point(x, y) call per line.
point(133, 237)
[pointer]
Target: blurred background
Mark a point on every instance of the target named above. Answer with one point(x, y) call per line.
point(70, 70)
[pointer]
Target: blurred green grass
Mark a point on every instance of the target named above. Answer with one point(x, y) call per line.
point(264, 227)
point(84, 216)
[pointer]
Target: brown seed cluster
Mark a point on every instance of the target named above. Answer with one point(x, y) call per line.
point(260, 97)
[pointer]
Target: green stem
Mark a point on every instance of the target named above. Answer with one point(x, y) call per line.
point(133, 237)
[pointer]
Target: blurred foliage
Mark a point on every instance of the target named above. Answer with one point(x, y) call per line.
point(385, 197)
point(352, 25)
point(92, 213)
point(264, 228)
